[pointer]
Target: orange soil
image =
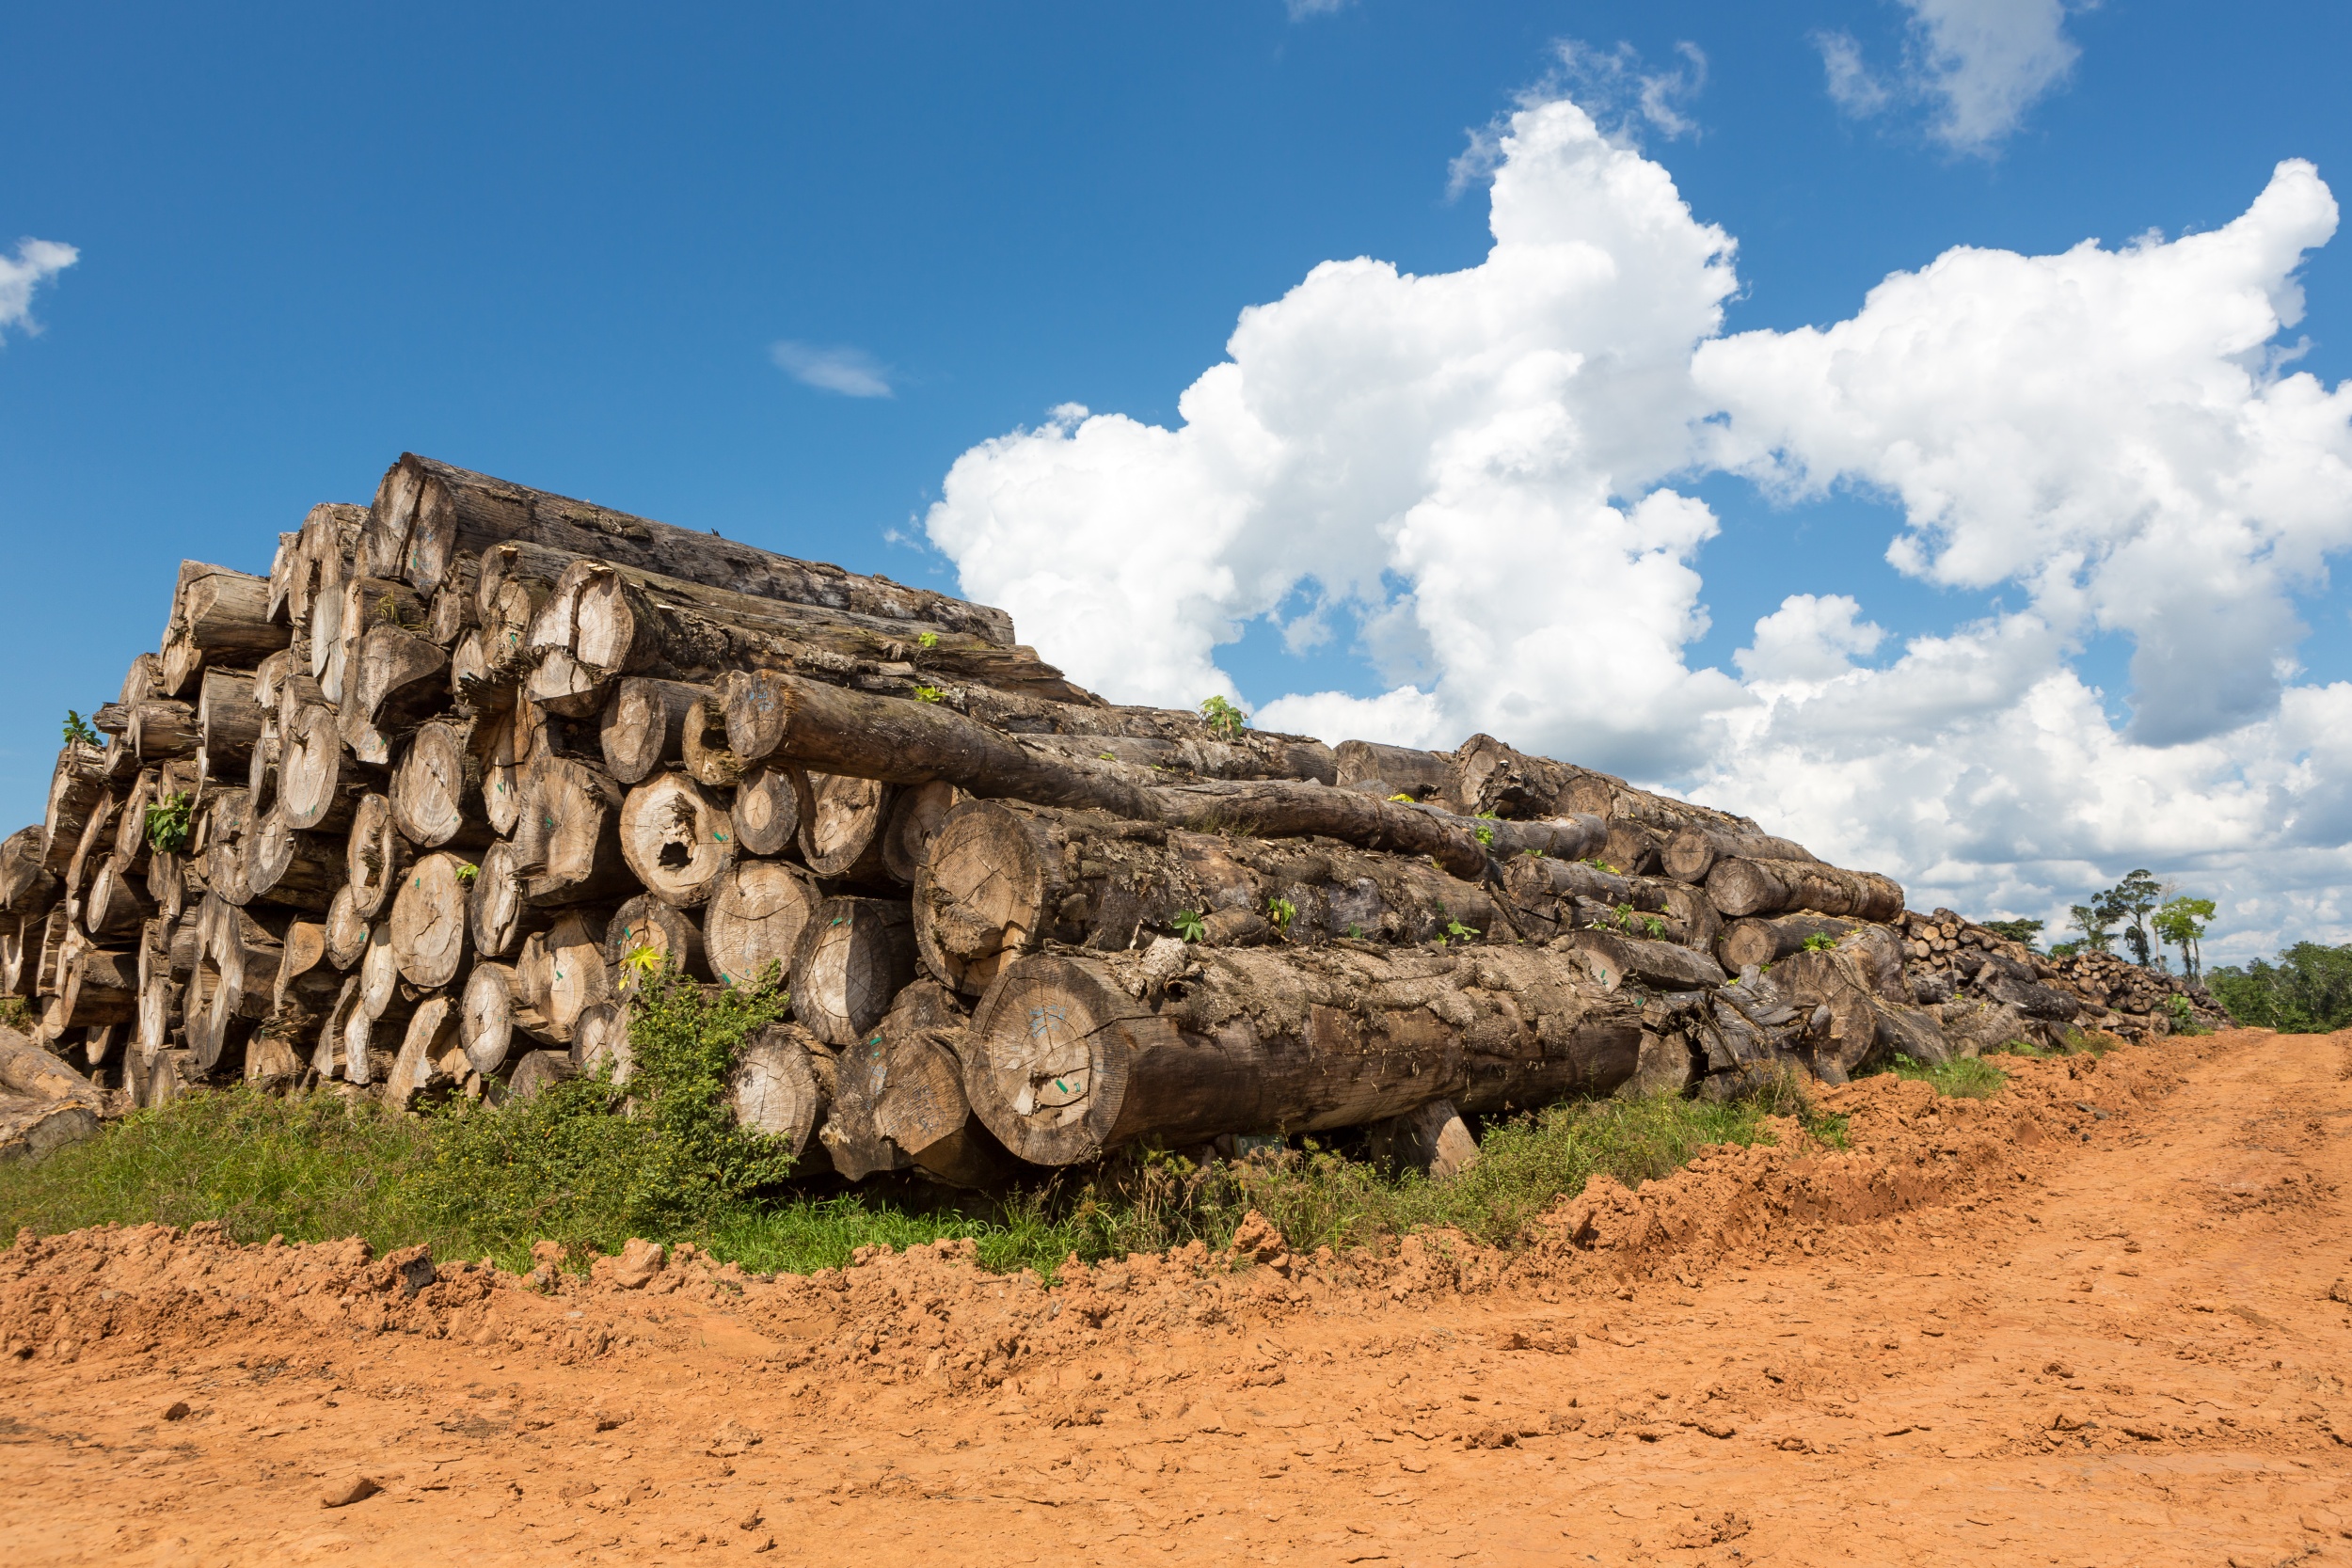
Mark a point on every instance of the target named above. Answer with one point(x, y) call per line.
point(1976, 1338)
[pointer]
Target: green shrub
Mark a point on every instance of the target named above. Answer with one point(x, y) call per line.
point(2308, 991)
point(1968, 1078)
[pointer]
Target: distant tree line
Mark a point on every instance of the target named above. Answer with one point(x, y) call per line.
point(2308, 991)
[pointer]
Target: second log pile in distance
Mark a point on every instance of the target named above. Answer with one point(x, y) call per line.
point(418, 810)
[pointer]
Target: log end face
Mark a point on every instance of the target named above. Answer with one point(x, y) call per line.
point(1046, 1063)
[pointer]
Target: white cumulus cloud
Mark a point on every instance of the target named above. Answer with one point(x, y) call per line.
point(852, 371)
point(35, 262)
point(1484, 477)
point(1979, 65)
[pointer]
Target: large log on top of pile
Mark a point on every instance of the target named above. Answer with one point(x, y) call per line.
point(1003, 878)
point(1069, 1057)
point(427, 514)
point(773, 714)
point(1745, 887)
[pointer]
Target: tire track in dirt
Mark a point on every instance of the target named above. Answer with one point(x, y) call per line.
point(1975, 1337)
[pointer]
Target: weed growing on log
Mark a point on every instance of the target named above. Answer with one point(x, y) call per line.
point(926, 694)
point(169, 827)
point(1281, 912)
point(1819, 941)
point(927, 640)
point(1190, 925)
point(78, 728)
point(468, 873)
point(1226, 721)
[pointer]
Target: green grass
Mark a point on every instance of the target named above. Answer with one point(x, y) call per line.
point(1968, 1078)
point(477, 1181)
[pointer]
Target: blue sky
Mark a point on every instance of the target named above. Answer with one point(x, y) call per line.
point(563, 246)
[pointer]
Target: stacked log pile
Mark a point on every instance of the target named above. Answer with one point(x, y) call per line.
point(414, 813)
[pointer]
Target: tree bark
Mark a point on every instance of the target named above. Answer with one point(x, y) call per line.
point(97, 985)
point(1063, 1061)
point(677, 838)
point(1768, 942)
point(918, 1107)
point(1398, 769)
point(286, 865)
point(777, 1089)
point(329, 537)
point(915, 819)
point(428, 512)
point(854, 956)
point(437, 790)
point(28, 887)
point(428, 922)
point(643, 724)
point(1251, 754)
point(1004, 878)
point(568, 841)
point(1693, 852)
point(906, 742)
point(841, 831)
point(1547, 896)
point(766, 810)
point(1740, 887)
point(162, 728)
point(218, 616)
point(756, 918)
point(1614, 960)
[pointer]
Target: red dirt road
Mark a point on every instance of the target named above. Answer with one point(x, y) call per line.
point(1976, 1338)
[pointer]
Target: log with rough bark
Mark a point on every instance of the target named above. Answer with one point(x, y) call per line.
point(783, 1088)
point(427, 514)
point(324, 545)
point(677, 838)
point(1251, 754)
point(1070, 1056)
point(1854, 1007)
point(436, 793)
point(27, 886)
point(646, 921)
point(766, 810)
point(855, 955)
point(428, 920)
point(1398, 769)
point(97, 986)
point(1613, 959)
point(162, 728)
point(218, 616)
point(1741, 887)
point(755, 920)
point(568, 843)
point(497, 911)
point(841, 831)
point(1693, 852)
point(284, 864)
point(915, 818)
point(897, 741)
point(1003, 878)
point(1768, 942)
point(643, 724)
point(1548, 896)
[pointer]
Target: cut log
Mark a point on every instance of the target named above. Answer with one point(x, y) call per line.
point(1064, 1062)
point(319, 784)
point(428, 921)
point(1431, 1139)
point(919, 1105)
point(28, 887)
point(159, 1006)
point(228, 993)
point(91, 852)
point(644, 725)
point(97, 985)
point(766, 810)
point(1398, 769)
point(346, 931)
point(677, 837)
point(703, 745)
point(218, 616)
point(402, 678)
point(229, 721)
point(130, 828)
point(437, 790)
point(420, 1069)
point(855, 955)
point(561, 973)
point(328, 538)
point(1740, 887)
point(75, 786)
point(500, 916)
point(777, 1091)
point(376, 857)
point(1251, 754)
point(286, 865)
point(1613, 959)
point(1548, 896)
point(454, 608)
point(567, 844)
point(162, 728)
point(670, 932)
point(841, 833)
point(116, 904)
point(897, 741)
point(427, 514)
point(915, 819)
point(1692, 852)
point(1001, 879)
point(493, 1010)
point(1767, 941)
point(539, 1071)
point(302, 962)
point(381, 994)
point(1853, 1006)
point(755, 918)
point(600, 1041)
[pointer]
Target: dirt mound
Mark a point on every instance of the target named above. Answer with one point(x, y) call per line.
point(2122, 1261)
